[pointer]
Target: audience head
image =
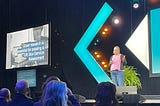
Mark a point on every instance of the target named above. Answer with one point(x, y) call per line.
point(56, 93)
point(106, 94)
point(50, 79)
point(22, 87)
point(5, 94)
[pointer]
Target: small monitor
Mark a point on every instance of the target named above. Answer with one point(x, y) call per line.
point(29, 75)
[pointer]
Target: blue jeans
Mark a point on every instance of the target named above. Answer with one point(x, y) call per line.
point(117, 77)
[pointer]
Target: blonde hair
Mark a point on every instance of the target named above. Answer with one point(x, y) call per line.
point(117, 47)
point(5, 93)
point(55, 92)
point(116, 50)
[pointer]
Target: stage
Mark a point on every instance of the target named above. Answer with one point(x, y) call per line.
point(128, 104)
point(147, 100)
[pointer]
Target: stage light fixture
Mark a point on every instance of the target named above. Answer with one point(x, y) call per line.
point(154, 1)
point(116, 21)
point(95, 43)
point(106, 29)
point(135, 4)
point(97, 40)
point(103, 33)
point(103, 62)
point(95, 53)
point(98, 56)
point(105, 66)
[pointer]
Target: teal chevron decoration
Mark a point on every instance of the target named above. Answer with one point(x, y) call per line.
point(81, 48)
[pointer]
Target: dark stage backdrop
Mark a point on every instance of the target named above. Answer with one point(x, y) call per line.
point(69, 19)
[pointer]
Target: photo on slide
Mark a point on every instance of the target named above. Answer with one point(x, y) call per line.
point(27, 48)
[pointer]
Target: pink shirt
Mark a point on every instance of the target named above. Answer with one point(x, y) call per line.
point(116, 61)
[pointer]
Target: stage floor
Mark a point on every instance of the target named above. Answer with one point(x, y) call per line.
point(149, 100)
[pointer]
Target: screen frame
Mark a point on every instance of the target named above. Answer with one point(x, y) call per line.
point(27, 70)
point(49, 45)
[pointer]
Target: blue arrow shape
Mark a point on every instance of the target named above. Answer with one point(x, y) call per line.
point(81, 48)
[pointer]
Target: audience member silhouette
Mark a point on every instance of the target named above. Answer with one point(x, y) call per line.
point(21, 97)
point(106, 94)
point(5, 96)
point(55, 94)
point(72, 101)
point(50, 79)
